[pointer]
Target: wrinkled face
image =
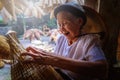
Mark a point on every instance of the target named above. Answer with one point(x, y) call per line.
point(69, 25)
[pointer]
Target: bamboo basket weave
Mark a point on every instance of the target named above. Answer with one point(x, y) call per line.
point(28, 71)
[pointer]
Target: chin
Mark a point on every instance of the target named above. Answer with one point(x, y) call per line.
point(68, 38)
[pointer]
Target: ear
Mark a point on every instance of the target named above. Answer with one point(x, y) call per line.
point(80, 21)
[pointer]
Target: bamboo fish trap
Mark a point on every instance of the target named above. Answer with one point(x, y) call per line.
point(28, 71)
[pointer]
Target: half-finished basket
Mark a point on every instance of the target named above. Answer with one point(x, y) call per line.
point(28, 71)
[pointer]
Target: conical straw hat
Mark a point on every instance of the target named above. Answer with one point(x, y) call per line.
point(95, 23)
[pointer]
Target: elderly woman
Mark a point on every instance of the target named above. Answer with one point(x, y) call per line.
point(77, 56)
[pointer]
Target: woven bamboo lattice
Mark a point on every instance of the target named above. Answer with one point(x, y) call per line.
point(28, 71)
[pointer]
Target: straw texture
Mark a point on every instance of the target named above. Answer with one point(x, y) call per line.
point(28, 71)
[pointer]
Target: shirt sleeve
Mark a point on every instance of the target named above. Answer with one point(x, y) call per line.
point(96, 53)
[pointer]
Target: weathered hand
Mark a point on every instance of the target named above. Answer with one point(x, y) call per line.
point(33, 49)
point(38, 51)
point(36, 55)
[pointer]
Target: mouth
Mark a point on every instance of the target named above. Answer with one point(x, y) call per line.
point(66, 33)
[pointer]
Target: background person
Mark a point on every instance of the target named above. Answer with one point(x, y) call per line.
point(46, 30)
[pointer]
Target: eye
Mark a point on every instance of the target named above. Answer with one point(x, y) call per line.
point(65, 23)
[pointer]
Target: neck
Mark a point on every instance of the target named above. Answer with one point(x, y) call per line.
point(73, 40)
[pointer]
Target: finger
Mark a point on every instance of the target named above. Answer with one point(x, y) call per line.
point(36, 50)
point(28, 48)
point(29, 54)
point(32, 49)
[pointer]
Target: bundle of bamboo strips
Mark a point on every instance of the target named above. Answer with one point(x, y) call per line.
point(4, 47)
point(28, 71)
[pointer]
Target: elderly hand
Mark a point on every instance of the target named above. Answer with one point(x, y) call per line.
point(38, 55)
